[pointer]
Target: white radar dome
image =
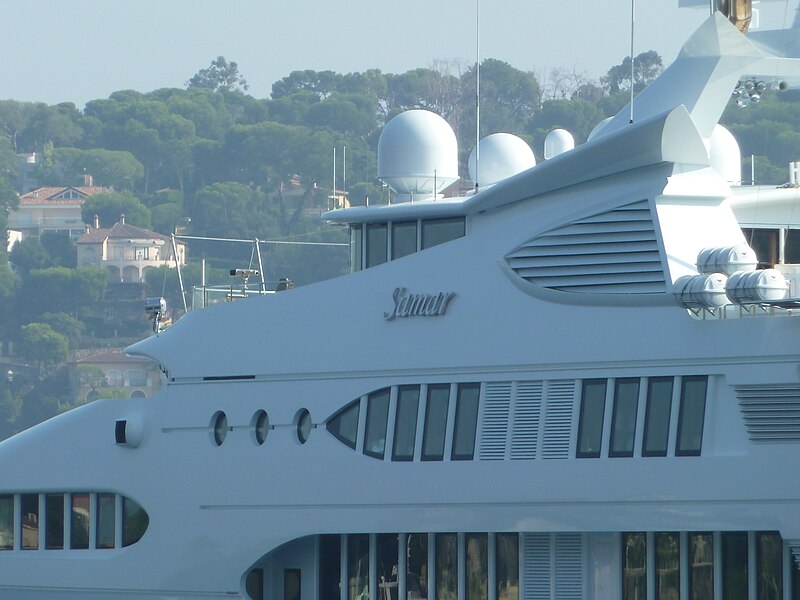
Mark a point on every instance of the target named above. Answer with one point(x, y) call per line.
point(725, 156)
point(598, 129)
point(501, 156)
point(417, 155)
point(557, 142)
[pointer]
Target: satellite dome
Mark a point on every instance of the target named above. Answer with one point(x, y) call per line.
point(598, 129)
point(502, 155)
point(725, 156)
point(417, 154)
point(557, 142)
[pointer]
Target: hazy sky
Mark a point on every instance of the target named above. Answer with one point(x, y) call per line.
point(79, 50)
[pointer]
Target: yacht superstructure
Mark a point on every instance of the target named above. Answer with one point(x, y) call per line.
point(576, 383)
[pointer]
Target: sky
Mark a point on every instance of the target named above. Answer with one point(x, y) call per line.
point(79, 50)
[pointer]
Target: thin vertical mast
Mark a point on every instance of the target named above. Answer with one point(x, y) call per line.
point(333, 192)
point(633, 28)
point(477, 90)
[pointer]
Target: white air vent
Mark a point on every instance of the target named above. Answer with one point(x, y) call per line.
point(771, 412)
point(536, 561)
point(614, 252)
point(558, 419)
point(497, 403)
point(525, 430)
point(569, 566)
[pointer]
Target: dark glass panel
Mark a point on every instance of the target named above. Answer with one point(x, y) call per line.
point(435, 422)
point(668, 566)
point(417, 578)
point(330, 572)
point(356, 246)
point(765, 244)
point(54, 523)
point(6, 522)
point(404, 239)
point(358, 567)
point(220, 428)
point(692, 414)
point(377, 417)
point(657, 416)
point(304, 426)
point(477, 564)
point(507, 566)
point(377, 240)
point(446, 566)
point(623, 421)
point(466, 421)
point(590, 429)
point(440, 231)
point(255, 585)
point(261, 427)
point(795, 595)
point(79, 522)
point(106, 509)
point(134, 522)
point(30, 522)
point(405, 424)
point(791, 249)
point(734, 566)
point(292, 584)
point(387, 552)
point(634, 566)
point(344, 424)
point(769, 553)
point(701, 566)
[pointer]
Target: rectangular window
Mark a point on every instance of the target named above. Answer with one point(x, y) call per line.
point(106, 520)
point(634, 566)
point(377, 417)
point(623, 421)
point(668, 566)
point(769, 556)
point(590, 428)
point(692, 414)
point(79, 522)
point(358, 567)
point(435, 422)
point(405, 423)
point(441, 231)
point(466, 421)
point(417, 566)
point(29, 526)
point(734, 566)
point(6, 522)
point(356, 247)
point(54, 523)
point(377, 244)
point(404, 239)
point(507, 566)
point(477, 563)
point(330, 571)
point(657, 415)
point(701, 566)
point(446, 566)
point(291, 584)
point(387, 547)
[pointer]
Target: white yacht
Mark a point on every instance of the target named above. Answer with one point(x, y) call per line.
point(578, 382)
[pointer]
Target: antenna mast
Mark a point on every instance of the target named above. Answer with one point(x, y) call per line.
point(633, 28)
point(477, 91)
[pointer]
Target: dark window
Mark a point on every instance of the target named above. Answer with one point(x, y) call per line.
point(6, 522)
point(377, 240)
point(765, 243)
point(404, 239)
point(590, 428)
point(441, 231)
point(79, 522)
point(701, 566)
point(791, 249)
point(405, 423)
point(254, 584)
point(106, 519)
point(477, 563)
point(417, 563)
point(304, 426)
point(357, 567)
point(330, 571)
point(466, 421)
point(668, 566)
point(634, 566)
point(260, 426)
point(54, 522)
point(29, 526)
point(435, 422)
point(356, 246)
point(220, 425)
point(507, 566)
point(387, 550)
point(657, 415)
point(446, 566)
point(769, 553)
point(734, 566)
point(623, 421)
point(377, 417)
point(692, 414)
point(344, 424)
point(291, 584)
point(134, 522)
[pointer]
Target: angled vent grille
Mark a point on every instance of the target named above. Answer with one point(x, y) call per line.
point(536, 561)
point(569, 566)
point(525, 429)
point(615, 252)
point(771, 412)
point(558, 419)
point(494, 432)
point(794, 546)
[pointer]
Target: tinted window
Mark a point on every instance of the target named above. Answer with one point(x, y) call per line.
point(667, 566)
point(477, 563)
point(507, 566)
point(446, 566)
point(623, 421)
point(79, 522)
point(692, 413)
point(466, 421)
point(769, 553)
point(377, 240)
point(106, 510)
point(634, 566)
point(377, 416)
point(701, 566)
point(590, 429)
point(405, 425)
point(657, 416)
point(30, 522)
point(356, 249)
point(54, 523)
point(734, 566)
point(440, 231)
point(134, 522)
point(435, 422)
point(404, 239)
point(344, 424)
point(6, 522)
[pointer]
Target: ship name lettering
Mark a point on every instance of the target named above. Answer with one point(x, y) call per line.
point(418, 305)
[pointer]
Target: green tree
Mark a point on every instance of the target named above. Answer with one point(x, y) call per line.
point(647, 66)
point(67, 325)
point(219, 76)
point(63, 252)
point(110, 206)
point(29, 254)
point(43, 346)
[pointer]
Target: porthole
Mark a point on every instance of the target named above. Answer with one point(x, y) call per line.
point(304, 425)
point(260, 426)
point(219, 427)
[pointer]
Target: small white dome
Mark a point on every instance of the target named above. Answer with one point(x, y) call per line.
point(557, 142)
point(598, 129)
point(502, 155)
point(417, 154)
point(725, 156)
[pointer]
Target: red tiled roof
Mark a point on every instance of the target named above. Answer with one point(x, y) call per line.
point(44, 195)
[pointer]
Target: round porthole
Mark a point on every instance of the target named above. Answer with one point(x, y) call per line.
point(260, 426)
point(219, 427)
point(304, 425)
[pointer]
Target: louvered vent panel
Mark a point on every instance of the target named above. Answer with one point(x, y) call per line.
point(494, 431)
point(536, 560)
point(794, 546)
point(615, 252)
point(569, 566)
point(527, 411)
point(558, 419)
point(771, 412)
